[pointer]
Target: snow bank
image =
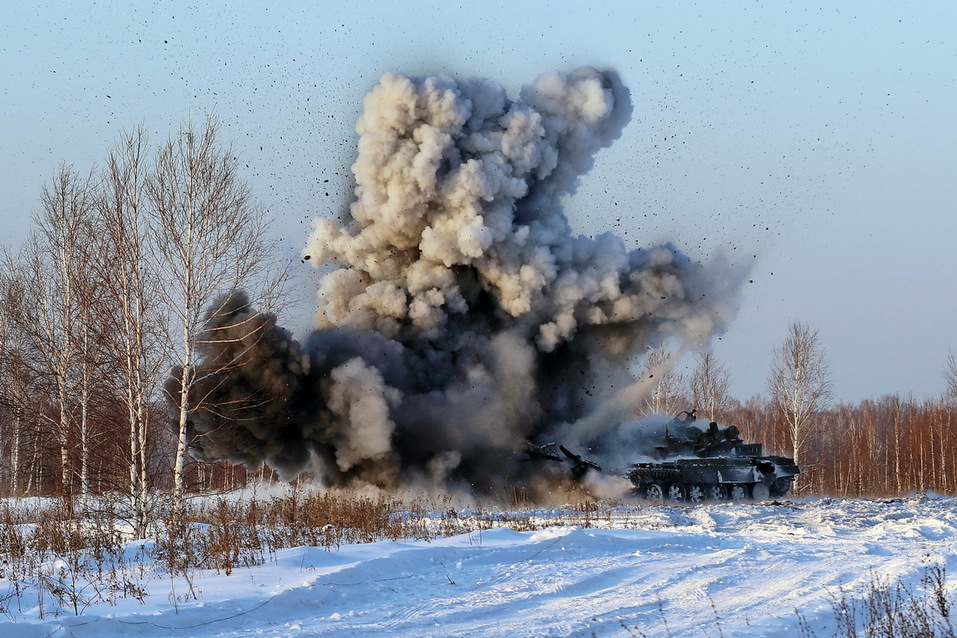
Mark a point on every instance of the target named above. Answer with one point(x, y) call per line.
point(723, 569)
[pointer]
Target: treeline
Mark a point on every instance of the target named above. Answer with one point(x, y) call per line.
point(889, 446)
point(882, 447)
point(102, 312)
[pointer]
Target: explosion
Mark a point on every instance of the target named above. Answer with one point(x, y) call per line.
point(462, 317)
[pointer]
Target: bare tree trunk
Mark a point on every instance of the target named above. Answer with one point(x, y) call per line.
point(921, 458)
point(190, 331)
point(15, 454)
point(181, 445)
point(34, 468)
point(63, 430)
point(85, 443)
point(897, 434)
point(799, 384)
point(944, 484)
point(86, 365)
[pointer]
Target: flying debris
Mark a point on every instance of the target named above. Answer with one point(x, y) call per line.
point(546, 452)
point(579, 465)
point(459, 316)
point(549, 452)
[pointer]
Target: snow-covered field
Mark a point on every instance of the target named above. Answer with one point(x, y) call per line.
point(714, 570)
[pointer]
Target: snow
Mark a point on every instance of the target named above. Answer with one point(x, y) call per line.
point(727, 569)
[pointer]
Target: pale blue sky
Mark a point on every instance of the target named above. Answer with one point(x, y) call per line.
point(821, 140)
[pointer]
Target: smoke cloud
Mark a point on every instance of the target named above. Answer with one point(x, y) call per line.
point(462, 317)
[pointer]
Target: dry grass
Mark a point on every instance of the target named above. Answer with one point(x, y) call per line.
point(54, 563)
point(894, 610)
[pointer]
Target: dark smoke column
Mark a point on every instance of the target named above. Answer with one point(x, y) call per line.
point(464, 317)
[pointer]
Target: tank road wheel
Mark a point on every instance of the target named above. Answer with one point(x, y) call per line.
point(677, 493)
point(739, 492)
point(696, 493)
point(653, 492)
point(716, 492)
point(780, 487)
point(760, 492)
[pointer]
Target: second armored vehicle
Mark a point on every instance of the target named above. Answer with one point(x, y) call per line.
point(713, 464)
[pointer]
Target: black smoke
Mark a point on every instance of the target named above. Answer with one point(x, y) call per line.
point(463, 317)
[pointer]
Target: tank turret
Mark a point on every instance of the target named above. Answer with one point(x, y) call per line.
point(683, 437)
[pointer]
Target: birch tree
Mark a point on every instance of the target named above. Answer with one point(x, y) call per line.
point(799, 385)
point(49, 313)
point(665, 396)
point(21, 367)
point(711, 387)
point(210, 240)
point(87, 336)
point(7, 366)
point(131, 309)
point(950, 378)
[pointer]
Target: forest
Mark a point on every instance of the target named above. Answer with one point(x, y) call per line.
point(102, 323)
point(892, 445)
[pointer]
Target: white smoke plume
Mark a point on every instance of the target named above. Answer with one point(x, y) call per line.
point(463, 316)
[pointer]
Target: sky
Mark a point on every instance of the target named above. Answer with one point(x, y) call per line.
point(813, 144)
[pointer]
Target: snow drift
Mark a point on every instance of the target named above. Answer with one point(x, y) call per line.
point(715, 570)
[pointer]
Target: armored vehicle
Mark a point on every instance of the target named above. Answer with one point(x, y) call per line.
point(549, 452)
point(714, 464)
